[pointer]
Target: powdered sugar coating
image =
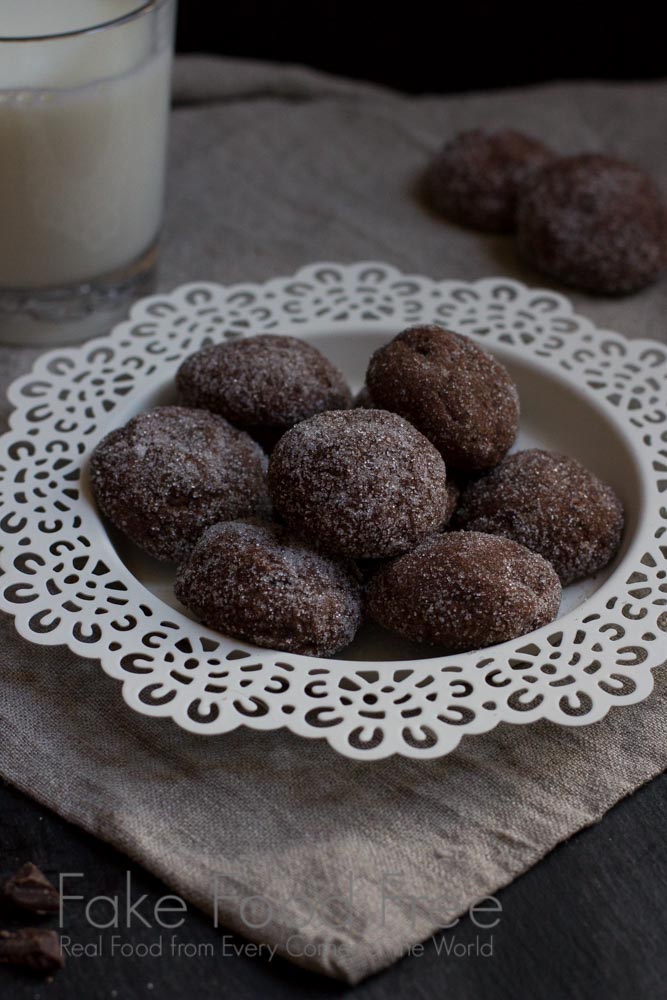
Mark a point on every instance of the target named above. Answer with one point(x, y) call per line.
point(169, 473)
point(363, 400)
point(465, 590)
point(551, 504)
point(362, 483)
point(260, 583)
point(595, 223)
point(263, 384)
point(457, 395)
point(475, 179)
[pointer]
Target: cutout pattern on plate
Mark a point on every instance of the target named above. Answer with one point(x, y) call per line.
point(65, 584)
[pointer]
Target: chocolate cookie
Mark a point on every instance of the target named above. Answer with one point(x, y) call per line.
point(168, 474)
point(475, 179)
point(456, 394)
point(552, 505)
point(595, 223)
point(362, 483)
point(464, 590)
point(263, 384)
point(260, 583)
point(364, 401)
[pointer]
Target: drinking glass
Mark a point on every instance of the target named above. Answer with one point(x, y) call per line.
point(84, 110)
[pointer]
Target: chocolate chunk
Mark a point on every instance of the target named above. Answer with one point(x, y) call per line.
point(33, 949)
point(29, 889)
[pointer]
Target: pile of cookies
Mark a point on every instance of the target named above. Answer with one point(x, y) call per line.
point(591, 221)
point(292, 511)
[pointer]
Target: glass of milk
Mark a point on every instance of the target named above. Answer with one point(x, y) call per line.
point(84, 109)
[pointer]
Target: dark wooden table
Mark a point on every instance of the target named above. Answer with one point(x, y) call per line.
point(589, 921)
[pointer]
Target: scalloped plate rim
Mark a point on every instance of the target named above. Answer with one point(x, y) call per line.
point(182, 291)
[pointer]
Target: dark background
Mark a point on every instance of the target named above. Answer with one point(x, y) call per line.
point(441, 46)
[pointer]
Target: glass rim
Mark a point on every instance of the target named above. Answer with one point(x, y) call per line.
point(139, 11)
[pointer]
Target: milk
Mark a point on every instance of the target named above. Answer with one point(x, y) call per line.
point(26, 18)
point(83, 127)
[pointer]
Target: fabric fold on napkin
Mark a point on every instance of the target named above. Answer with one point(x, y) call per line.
point(341, 865)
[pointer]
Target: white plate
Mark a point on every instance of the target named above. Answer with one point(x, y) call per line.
point(587, 392)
